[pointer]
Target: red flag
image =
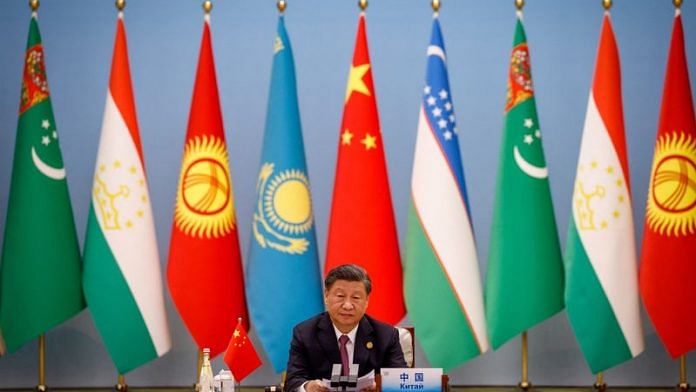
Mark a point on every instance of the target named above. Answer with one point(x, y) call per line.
point(361, 227)
point(668, 264)
point(205, 267)
point(241, 355)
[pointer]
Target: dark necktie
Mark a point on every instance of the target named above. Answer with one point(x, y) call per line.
point(342, 341)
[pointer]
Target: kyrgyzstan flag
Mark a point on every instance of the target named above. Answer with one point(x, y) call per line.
point(668, 262)
point(205, 267)
point(361, 227)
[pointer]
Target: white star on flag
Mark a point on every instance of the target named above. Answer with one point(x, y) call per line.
point(45, 140)
point(45, 124)
point(431, 100)
point(443, 94)
point(528, 122)
point(437, 112)
point(448, 135)
point(448, 106)
point(426, 90)
point(442, 123)
point(528, 139)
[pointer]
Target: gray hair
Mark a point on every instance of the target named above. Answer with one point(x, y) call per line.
point(349, 272)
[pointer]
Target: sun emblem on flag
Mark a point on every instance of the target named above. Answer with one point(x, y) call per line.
point(204, 202)
point(284, 210)
point(671, 206)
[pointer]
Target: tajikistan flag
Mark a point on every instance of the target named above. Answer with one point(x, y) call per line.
point(442, 282)
point(601, 290)
point(122, 279)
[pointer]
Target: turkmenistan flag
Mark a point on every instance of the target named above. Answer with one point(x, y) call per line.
point(122, 277)
point(524, 284)
point(40, 271)
point(441, 279)
point(601, 291)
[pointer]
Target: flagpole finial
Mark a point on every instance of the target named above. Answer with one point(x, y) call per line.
point(207, 6)
point(606, 4)
point(120, 4)
point(34, 5)
point(282, 5)
point(677, 3)
point(436, 5)
point(362, 4)
point(519, 4)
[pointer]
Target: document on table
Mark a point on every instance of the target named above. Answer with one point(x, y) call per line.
point(366, 381)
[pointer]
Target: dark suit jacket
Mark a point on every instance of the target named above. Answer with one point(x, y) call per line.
point(314, 349)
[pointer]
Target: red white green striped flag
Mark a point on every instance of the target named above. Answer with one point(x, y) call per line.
point(601, 290)
point(122, 279)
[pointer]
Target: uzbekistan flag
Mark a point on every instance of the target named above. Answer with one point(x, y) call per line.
point(122, 278)
point(442, 282)
point(601, 290)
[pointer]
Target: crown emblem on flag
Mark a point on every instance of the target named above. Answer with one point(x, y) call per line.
point(114, 183)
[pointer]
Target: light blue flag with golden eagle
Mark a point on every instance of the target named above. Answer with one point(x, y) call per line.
point(283, 277)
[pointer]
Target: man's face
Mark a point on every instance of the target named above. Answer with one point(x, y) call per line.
point(346, 302)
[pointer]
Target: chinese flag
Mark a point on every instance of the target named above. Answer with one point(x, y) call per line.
point(668, 263)
point(205, 268)
point(241, 356)
point(361, 227)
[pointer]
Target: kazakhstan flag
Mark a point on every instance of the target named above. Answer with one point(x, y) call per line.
point(283, 277)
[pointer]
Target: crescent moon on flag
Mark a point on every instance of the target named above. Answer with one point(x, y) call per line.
point(436, 51)
point(45, 169)
point(528, 168)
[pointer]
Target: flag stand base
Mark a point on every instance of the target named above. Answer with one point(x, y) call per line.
point(41, 388)
point(683, 387)
point(121, 387)
point(599, 387)
point(525, 385)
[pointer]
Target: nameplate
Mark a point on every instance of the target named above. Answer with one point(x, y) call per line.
point(411, 379)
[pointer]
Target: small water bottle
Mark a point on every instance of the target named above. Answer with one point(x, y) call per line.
point(205, 380)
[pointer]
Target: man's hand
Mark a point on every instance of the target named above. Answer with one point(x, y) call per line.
point(316, 386)
point(371, 388)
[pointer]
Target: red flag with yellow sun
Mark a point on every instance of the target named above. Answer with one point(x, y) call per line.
point(205, 267)
point(361, 228)
point(668, 262)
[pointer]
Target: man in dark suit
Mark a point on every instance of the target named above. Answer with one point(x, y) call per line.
point(343, 334)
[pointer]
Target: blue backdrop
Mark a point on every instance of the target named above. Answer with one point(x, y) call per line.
point(164, 38)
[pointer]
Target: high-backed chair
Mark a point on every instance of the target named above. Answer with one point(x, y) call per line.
point(407, 339)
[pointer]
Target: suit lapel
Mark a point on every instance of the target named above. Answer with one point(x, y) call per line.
point(364, 347)
point(327, 340)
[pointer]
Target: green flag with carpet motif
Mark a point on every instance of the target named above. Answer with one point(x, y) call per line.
point(525, 271)
point(40, 283)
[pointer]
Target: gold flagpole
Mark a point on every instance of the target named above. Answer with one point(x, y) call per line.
point(600, 385)
point(42, 338)
point(683, 384)
point(121, 386)
point(199, 365)
point(525, 385)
